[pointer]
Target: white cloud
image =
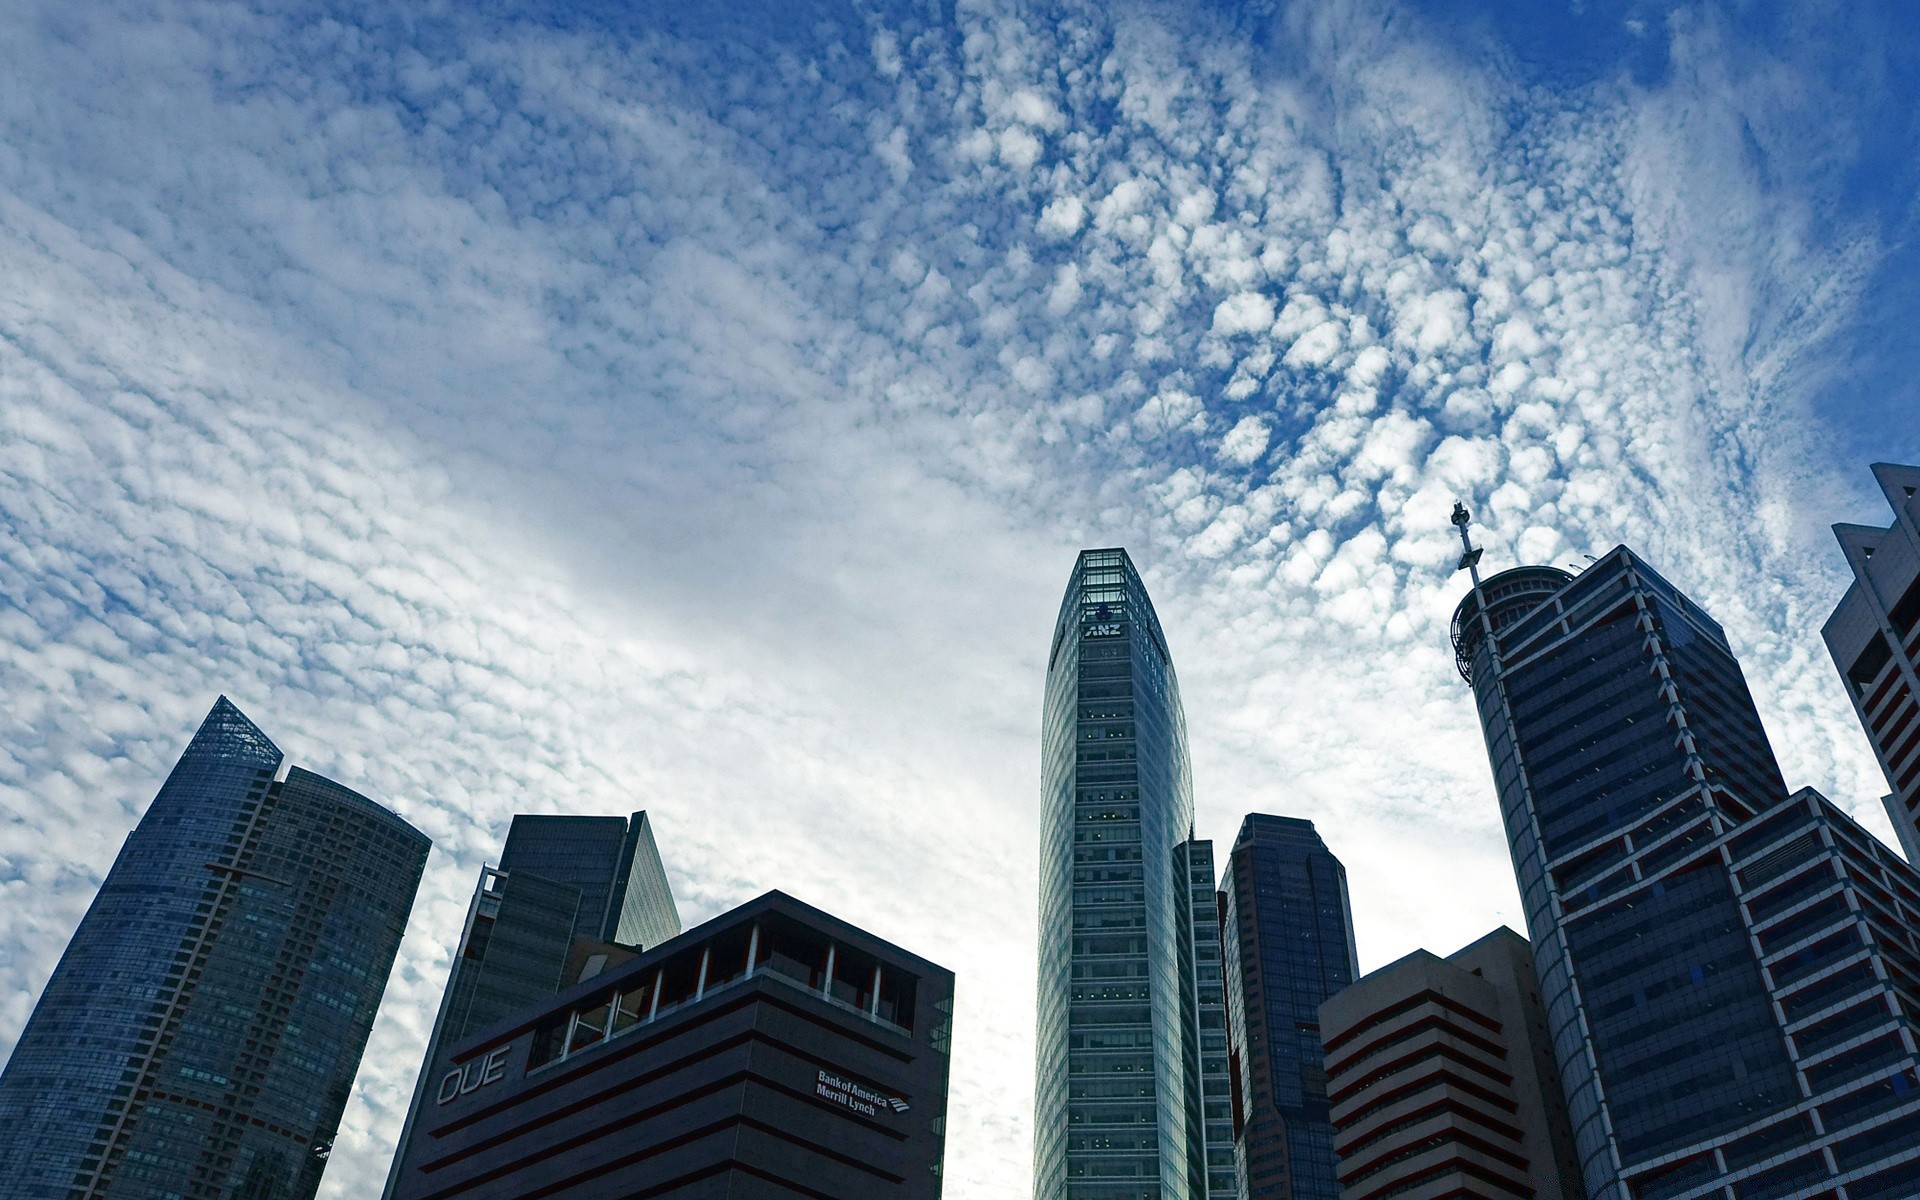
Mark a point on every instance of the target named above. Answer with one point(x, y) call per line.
point(543, 418)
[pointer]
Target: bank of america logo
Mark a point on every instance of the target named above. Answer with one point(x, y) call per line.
point(897, 1104)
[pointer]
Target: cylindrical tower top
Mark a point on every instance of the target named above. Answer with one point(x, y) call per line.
point(1510, 596)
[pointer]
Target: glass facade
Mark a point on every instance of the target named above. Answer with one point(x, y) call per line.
point(1874, 638)
point(1114, 1096)
point(1686, 992)
point(561, 880)
point(1288, 934)
point(201, 1033)
point(1211, 1165)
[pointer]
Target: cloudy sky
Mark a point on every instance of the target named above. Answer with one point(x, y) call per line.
point(591, 407)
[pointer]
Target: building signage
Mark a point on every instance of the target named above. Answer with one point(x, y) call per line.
point(1106, 629)
point(851, 1096)
point(474, 1075)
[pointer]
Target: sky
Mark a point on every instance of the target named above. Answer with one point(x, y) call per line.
point(594, 407)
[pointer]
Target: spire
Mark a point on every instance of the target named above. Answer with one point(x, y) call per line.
point(1469, 553)
point(226, 733)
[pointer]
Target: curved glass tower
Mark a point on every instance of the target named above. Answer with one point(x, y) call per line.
point(202, 1031)
point(1115, 1099)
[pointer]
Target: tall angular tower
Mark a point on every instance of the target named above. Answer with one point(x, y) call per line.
point(203, 1029)
point(1729, 973)
point(1288, 931)
point(570, 892)
point(1114, 1098)
point(1874, 637)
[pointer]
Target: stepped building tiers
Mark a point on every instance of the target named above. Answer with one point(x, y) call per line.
point(1119, 1108)
point(1729, 973)
point(1443, 1080)
point(571, 895)
point(1874, 637)
point(201, 1033)
point(1288, 929)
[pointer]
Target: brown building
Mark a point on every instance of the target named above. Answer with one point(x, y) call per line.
point(1442, 1081)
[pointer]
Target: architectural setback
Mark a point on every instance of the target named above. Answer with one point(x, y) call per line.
point(202, 1031)
point(1874, 638)
point(1443, 1081)
point(775, 1051)
point(571, 894)
point(1725, 1009)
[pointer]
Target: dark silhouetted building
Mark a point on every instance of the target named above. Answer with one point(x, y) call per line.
point(1874, 637)
point(772, 1052)
point(1115, 1096)
point(571, 894)
point(1443, 1080)
point(1728, 974)
point(201, 1033)
point(1288, 934)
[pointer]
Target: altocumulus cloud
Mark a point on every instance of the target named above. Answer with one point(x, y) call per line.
point(625, 408)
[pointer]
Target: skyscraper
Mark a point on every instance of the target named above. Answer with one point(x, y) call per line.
point(1212, 1172)
point(569, 889)
point(1874, 637)
point(1288, 934)
point(1728, 973)
point(775, 1051)
point(200, 1035)
point(1114, 1101)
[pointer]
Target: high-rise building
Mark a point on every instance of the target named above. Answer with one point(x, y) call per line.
point(775, 1051)
point(1874, 637)
point(1443, 1080)
point(1722, 1012)
point(570, 893)
point(200, 1035)
point(1115, 1099)
point(1212, 1170)
point(1287, 928)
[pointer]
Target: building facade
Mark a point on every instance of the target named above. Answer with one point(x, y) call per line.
point(1443, 1081)
point(1641, 800)
point(570, 894)
point(1287, 929)
point(201, 1034)
point(1874, 638)
point(1114, 1097)
point(1212, 1172)
point(775, 1051)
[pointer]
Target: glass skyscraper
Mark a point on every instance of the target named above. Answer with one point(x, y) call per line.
point(1288, 933)
point(201, 1033)
point(1730, 974)
point(1115, 1095)
point(570, 893)
point(1874, 638)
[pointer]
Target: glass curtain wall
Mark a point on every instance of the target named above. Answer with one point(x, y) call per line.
point(1113, 1103)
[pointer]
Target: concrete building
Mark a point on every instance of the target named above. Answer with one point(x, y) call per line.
point(1874, 637)
point(775, 1051)
point(1443, 1082)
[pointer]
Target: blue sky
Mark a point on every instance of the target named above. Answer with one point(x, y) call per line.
point(605, 406)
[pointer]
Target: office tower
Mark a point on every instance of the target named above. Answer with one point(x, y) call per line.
point(1641, 801)
point(1443, 1080)
point(201, 1033)
point(1114, 1098)
point(773, 1051)
point(1211, 1170)
point(570, 894)
point(1874, 637)
point(1288, 934)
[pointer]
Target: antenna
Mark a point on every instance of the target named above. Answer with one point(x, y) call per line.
point(1469, 553)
